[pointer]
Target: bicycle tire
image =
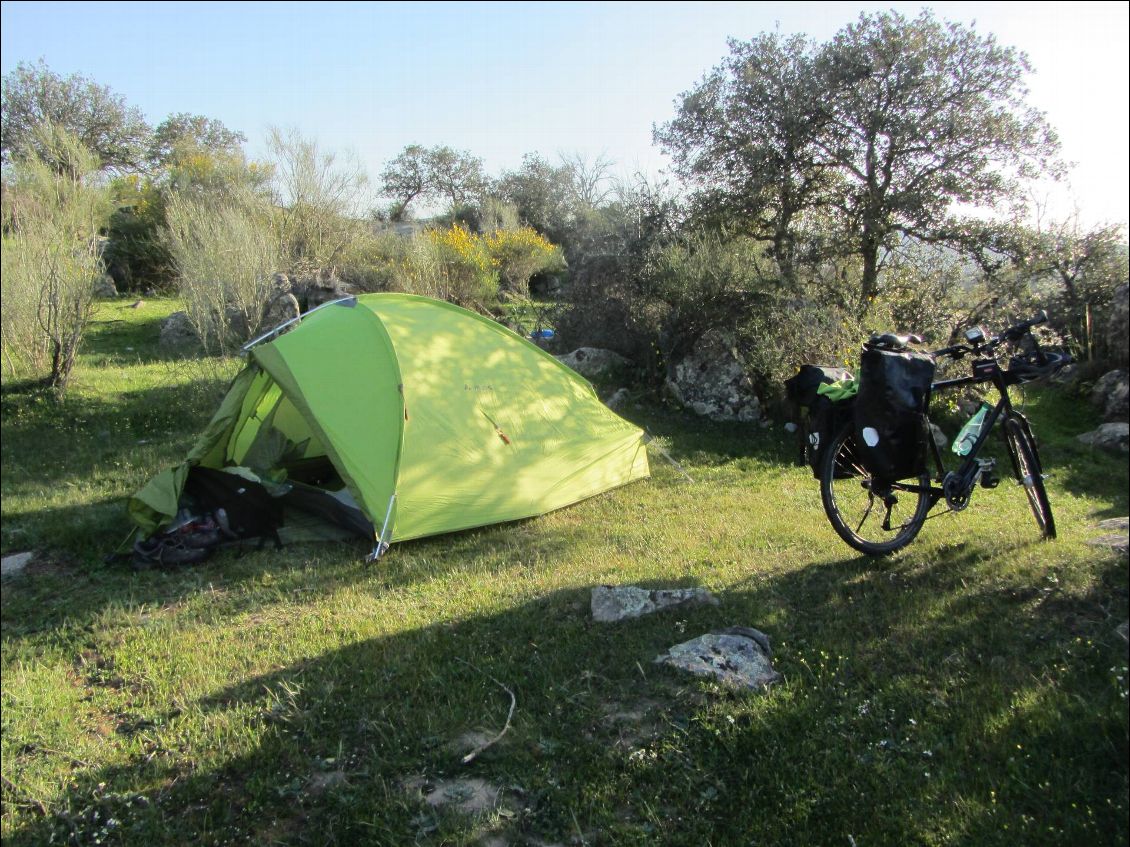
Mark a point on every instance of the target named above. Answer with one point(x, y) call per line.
point(846, 486)
point(1028, 471)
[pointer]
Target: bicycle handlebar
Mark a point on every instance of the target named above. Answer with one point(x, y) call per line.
point(1013, 333)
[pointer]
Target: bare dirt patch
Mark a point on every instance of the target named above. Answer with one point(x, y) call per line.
point(469, 796)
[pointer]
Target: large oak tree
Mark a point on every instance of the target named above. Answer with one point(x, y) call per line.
point(893, 129)
point(35, 96)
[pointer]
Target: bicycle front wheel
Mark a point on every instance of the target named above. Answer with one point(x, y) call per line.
point(1026, 466)
point(873, 517)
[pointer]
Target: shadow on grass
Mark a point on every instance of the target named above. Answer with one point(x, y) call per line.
point(923, 701)
point(61, 592)
point(116, 342)
point(48, 444)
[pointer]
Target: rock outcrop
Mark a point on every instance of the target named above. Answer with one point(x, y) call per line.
point(712, 382)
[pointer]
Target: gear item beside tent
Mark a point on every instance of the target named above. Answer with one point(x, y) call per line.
point(398, 416)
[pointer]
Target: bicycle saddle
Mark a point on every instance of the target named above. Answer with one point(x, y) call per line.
point(891, 341)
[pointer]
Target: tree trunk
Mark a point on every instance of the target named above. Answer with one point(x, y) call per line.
point(869, 284)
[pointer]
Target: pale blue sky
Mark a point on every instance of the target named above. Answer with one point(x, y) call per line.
point(503, 79)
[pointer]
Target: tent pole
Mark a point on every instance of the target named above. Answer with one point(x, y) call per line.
point(243, 350)
point(382, 545)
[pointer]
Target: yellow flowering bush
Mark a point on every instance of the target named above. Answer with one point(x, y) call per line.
point(451, 264)
point(454, 264)
point(521, 253)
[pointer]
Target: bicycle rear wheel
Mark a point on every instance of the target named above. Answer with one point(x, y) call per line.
point(1026, 466)
point(872, 517)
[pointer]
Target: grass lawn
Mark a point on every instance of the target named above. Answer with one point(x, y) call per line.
point(971, 689)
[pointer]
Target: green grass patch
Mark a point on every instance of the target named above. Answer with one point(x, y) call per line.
point(971, 689)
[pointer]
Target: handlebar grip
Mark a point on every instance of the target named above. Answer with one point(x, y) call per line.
point(1014, 333)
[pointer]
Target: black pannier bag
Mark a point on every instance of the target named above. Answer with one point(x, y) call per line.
point(826, 417)
point(890, 412)
point(820, 416)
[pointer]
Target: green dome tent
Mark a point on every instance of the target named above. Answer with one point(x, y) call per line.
point(416, 416)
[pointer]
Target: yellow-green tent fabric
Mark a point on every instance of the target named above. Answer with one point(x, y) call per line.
point(437, 419)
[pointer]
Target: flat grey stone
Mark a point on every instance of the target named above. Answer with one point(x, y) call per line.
point(1116, 535)
point(14, 564)
point(611, 603)
point(592, 362)
point(469, 796)
point(1117, 543)
point(1109, 436)
point(737, 656)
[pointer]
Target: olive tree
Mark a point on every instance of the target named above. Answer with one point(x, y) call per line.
point(438, 174)
point(746, 140)
point(183, 131)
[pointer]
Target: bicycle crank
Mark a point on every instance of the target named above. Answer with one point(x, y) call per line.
point(957, 490)
point(958, 487)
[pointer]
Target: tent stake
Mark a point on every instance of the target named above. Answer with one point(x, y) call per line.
point(379, 550)
point(650, 440)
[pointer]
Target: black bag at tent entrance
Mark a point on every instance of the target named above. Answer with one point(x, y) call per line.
point(251, 512)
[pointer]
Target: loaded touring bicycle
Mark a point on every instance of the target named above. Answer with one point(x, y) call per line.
point(870, 444)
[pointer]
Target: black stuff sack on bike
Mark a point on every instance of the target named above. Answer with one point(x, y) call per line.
point(890, 412)
point(819, 415)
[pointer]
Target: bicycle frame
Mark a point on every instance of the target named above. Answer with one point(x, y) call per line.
point(1003, 406)
point(968, 467)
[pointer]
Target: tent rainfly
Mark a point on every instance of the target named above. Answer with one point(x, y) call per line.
point(399, 416)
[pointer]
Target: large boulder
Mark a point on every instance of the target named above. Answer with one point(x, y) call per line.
point(1111, 395)
point(104, 287)
point(1110, 436)
point(312, 288)
point(177, 333)
point(282, 307)
point(712, 382)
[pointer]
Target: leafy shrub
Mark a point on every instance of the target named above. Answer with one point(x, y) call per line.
point(136, 254)
point(226, 252)
point(51, 256)
point(455, 265)
point(375, 261)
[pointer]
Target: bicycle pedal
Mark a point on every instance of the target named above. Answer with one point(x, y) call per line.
point(990, 480)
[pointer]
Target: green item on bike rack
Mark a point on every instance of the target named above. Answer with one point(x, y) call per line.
point(841, 390)
point(967, 437)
